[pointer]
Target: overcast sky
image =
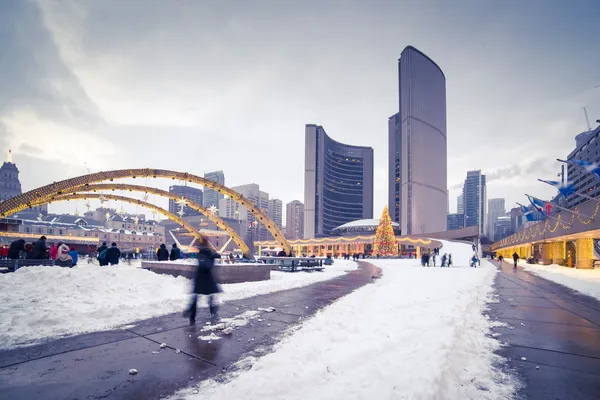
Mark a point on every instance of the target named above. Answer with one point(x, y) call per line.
point(206, 85)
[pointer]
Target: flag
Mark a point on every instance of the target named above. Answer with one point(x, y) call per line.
point(529, 214)
point(565, 189)
point(591, 167)
point(537, 204)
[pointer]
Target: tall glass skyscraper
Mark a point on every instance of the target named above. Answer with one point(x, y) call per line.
point(475, 200)
point(212, 197)
point(418, 180)
point(338, 183)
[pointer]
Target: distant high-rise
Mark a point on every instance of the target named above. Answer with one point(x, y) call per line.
point(460, 207)
point(10, 185)
point(294, 217)
point(455, 221)
point(255, 230)
point(475, 195)
point(502, 227)
point(496, 209)
point(191, 193)
point(212, 197)
point(338, 183)
point(417, 173)
point(276, 211)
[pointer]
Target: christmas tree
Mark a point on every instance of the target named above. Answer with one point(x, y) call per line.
point(385, 240)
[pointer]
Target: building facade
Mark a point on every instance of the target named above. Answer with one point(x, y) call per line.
point(583, 181)
point(338, 183)
point(189, 193)
point(460, 208)
point(496, 209)
point(212, 197)
point(503, 227)
point(255, 230)
point(417, 187)
point(455, 221)
point(276, 211)
point(10, 185)
point(294, 220)
point(475, 200)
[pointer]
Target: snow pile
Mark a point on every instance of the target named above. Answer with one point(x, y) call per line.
point(418, 333)
point(44, 302)
point(586, 281)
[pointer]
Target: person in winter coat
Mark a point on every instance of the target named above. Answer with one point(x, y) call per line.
point(28, 251)
point(54, 250)
point(175, 253)
point(16, 248)
point(162, 254)
point(112, 255)
point(515, 258)
point(40, 251)
point(102, 248)
point(62, 254)
point(204, 281)
point(74, 255)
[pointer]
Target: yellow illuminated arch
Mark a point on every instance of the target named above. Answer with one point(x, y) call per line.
point(195, 206)
point(44, 194)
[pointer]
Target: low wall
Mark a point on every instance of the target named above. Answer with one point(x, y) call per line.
point(225, 273)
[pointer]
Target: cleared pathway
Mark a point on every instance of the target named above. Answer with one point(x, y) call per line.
point(553, 338)
point(96, 365)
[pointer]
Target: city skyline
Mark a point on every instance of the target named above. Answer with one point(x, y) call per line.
point(533, 105)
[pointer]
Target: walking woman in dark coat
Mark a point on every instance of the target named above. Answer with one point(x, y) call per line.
point(204, 281)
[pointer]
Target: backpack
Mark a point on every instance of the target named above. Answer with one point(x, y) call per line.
point(102, 255)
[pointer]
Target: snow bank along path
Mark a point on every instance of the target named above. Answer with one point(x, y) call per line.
point(45, 302)
point(417, 333)
point(586, 281)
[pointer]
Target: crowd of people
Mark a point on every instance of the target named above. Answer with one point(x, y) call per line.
point(39, 250)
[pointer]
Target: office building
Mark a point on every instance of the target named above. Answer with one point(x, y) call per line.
point(502, 227)
point(460, 208)
point(475, 200)
point(417, 187)
point(338, 183)
point(496, 209)
point(517, 220)
point(455, 221)
point(190, 193)
point(212, 197)
point(276, 211)
point(294, 220)
point(255, 230)
point(584, 182)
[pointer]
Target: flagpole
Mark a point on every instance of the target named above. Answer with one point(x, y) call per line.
point(562, 208)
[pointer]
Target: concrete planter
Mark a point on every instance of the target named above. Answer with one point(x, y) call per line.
point(225, 273)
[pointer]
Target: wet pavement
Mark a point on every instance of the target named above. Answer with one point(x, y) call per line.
point(96, 365)
point(554, 344)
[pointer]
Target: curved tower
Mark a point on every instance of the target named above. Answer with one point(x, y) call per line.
point(338, 183)
point(418, 179)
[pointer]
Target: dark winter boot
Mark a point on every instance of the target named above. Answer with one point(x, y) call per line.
point(214, 311)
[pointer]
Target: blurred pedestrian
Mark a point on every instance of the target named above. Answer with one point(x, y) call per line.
point(74, 255)
point(62, 254)
point(113, 254)
point(175, 253)
point(16, 247)
point(162, 254)
point(40, 250)
point(204, 281)
point(515, 258)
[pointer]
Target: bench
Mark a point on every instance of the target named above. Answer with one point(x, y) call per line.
point(13, 265)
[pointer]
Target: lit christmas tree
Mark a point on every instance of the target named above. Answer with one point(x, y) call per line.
point(385, 240)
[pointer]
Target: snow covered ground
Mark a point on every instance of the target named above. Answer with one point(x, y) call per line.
point(586, 281)
point(49, 302)
point(417, 333)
